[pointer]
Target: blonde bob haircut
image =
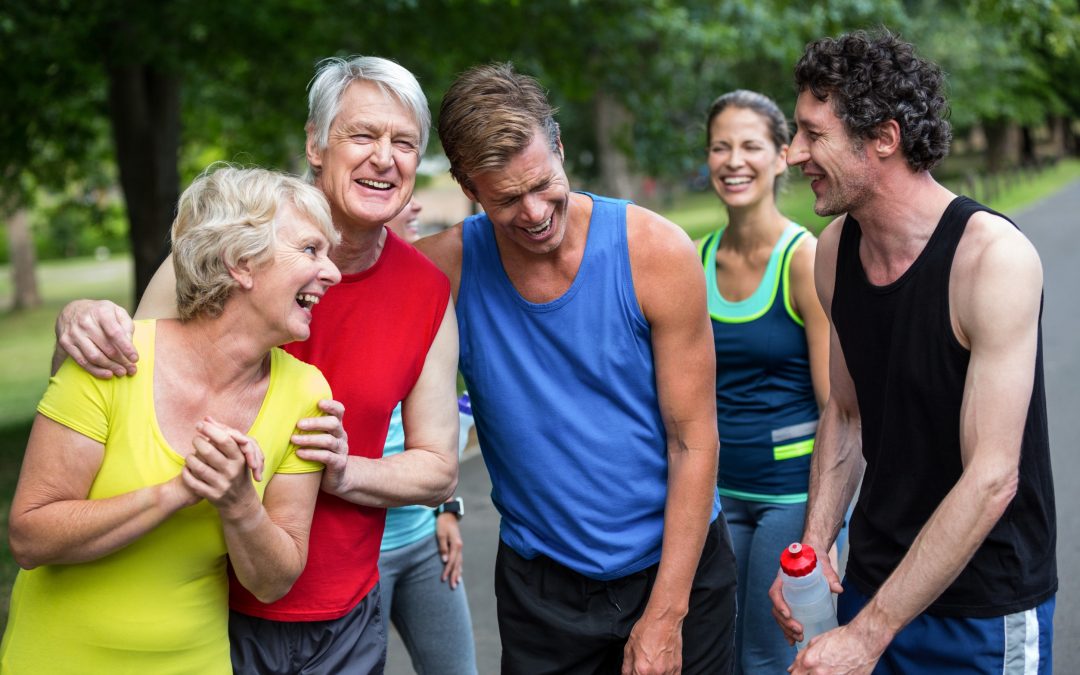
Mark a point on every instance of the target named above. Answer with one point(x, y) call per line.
point(228, 216)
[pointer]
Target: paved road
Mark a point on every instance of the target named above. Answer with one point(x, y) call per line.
point(1052, 226)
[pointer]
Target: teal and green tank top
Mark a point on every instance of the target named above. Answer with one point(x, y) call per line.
point(765, 406)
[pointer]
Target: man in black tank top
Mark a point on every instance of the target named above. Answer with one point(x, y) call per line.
point(937, 399)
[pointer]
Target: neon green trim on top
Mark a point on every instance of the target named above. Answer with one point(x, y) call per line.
point(786, 273)
point(792, 450)
point(762, 299)
point(798, 498)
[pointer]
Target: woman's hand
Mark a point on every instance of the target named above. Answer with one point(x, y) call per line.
point(217, 468)
point(448, 533)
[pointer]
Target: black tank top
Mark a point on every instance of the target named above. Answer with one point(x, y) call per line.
point(909, 371)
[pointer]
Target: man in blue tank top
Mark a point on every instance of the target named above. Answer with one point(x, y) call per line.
point(937, 398)
point(587, 351)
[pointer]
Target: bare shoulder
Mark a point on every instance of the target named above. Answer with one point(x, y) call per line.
point(996, 281)
point(655, 240)
point(992, 249)
point(664, 264)
point(802, 258)
point(824, 263)
point(444, 249)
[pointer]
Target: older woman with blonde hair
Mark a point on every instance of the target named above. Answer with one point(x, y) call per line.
point(134, 490)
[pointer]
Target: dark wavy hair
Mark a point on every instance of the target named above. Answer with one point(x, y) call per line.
point(871, 79)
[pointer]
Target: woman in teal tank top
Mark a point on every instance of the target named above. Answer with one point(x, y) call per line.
point(772, 343)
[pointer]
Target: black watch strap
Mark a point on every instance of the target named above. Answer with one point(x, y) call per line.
point(455, 506)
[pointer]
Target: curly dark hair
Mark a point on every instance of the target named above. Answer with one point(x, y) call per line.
point(871, 79)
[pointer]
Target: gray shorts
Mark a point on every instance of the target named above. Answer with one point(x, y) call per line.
point(354, 643)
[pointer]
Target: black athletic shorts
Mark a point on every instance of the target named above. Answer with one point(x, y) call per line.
point(554, 620)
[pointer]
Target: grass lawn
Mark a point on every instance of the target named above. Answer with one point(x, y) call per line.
point(26, 346)
point(26, 337)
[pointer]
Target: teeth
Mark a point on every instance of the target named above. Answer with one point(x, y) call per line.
point(377, 184)
point(740, 180)
point(307, 300)
point(539, 228)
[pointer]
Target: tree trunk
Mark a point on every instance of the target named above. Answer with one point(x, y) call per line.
point(24, 276)
point(144, 111)
point(1002, 144)
point(613, 121)
point(1028, 155)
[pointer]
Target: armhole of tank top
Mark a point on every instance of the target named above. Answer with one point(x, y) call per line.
point(464, 284)
point(785, 276)
point(622, 238)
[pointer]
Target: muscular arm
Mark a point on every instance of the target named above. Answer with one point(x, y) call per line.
point(426, 473)
point(665, 268)
point(837, 463)
point(52, 520)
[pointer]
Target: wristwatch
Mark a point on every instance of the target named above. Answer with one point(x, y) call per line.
point(455, 506)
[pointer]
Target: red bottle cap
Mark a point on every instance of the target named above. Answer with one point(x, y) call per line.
point(798, 560)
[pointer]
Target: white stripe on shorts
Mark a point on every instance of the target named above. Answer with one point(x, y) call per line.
point(1021, 643)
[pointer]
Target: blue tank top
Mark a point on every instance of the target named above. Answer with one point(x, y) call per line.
point(766, 411)
point(565, 402)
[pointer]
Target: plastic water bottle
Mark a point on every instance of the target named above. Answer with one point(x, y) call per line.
point(806, 591)
point(465, 421)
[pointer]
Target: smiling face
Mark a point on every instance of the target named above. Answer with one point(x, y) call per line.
point(407, 223)
point(527, 200)
point(744, 162)
point(842, 175)
point(368, 168)
point(285, 288)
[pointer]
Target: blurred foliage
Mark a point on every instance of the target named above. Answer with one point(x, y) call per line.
point(242, 67)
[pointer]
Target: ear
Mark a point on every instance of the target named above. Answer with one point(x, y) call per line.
point(562, 153)
point(781, 159)
point(469, 193)
point(311, 149)
point(241, 273)
point(887, 141)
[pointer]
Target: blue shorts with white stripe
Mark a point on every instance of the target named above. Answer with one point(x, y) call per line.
point(1015, 644)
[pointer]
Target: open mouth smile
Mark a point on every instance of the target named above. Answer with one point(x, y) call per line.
point(541, 229)
point(374, 184)
point(307, 300)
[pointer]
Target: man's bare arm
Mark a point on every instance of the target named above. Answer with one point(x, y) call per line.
point(96, 334)
point(426, 473)
point(837, 463)
point(670, 286)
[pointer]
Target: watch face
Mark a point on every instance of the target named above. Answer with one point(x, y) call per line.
point(455, 506)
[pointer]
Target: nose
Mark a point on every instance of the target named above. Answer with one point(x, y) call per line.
point(798, 152)
point(382, 153)
point(734, 158)
point(533, 208)
point(329, 274)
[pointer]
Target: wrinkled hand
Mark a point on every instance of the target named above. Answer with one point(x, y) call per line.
point(841, 651)
point(217, 468)
point(97, 335)
point(323, 439)
point(654, 648)
point(451, 547)
point(793, 630)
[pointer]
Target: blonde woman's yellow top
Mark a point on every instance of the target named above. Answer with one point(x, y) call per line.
point(159, 605)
